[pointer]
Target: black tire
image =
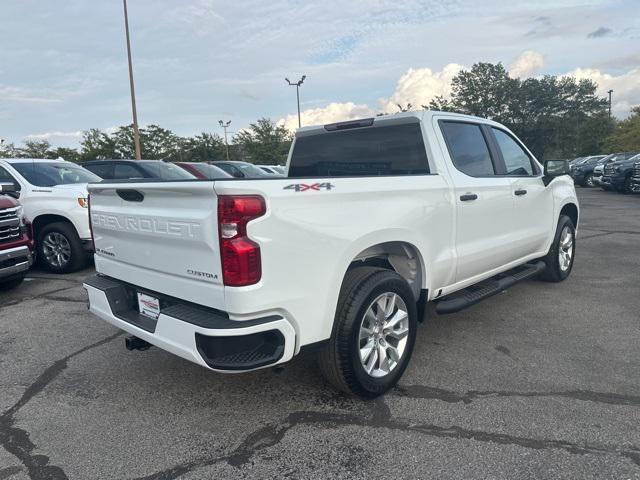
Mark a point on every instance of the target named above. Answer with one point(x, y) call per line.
point(587, 181)
point(554, 271)
point(13, 282)
point(340, 359)
point(76, 255)
point(626, 186)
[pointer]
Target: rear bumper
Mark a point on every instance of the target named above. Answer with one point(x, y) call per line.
point(15, 261)
point(198, 334)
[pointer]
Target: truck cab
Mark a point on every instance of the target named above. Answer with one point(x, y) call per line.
point(618, 170)
point(53, 194)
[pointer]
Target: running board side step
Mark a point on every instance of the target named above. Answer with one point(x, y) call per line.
point(475, 293)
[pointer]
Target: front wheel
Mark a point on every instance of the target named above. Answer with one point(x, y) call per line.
point(60, 249)
point(588, 181)
point(626, 187)
point(374, 333)
point(561, 255)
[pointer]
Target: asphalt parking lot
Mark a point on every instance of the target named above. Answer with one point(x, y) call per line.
point(542, 381)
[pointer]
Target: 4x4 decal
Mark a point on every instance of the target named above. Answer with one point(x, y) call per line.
point(303, 187)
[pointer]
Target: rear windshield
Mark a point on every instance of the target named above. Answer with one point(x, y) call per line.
point(50, 174)
point(166, 171)
point(372, 151)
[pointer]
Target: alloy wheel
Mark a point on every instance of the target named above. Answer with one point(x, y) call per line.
point(56, 249)
point(383, 335)
point(565, 252)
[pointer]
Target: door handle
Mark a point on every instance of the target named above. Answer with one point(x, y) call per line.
point(520, 192)
point(469, 196)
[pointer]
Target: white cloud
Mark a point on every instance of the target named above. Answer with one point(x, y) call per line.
point(526, 64)
point(334, 112)
point(55, 135)
point(418, 86)
point(626, 87)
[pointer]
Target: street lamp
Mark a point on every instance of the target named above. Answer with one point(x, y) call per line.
point(225, 125)
point(610, 92)
point(297, 85)
point(136, 132)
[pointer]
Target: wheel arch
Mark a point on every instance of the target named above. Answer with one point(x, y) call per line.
point(571, 211)
point(47, 218)
point(400, 256)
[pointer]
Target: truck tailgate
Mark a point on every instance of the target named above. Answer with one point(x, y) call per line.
point(161, 235)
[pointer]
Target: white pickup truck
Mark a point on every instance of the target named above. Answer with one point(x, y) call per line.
point(54, 196)
point(375, 218)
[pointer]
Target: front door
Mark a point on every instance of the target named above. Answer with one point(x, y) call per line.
point(484, 200)
point(532, 218)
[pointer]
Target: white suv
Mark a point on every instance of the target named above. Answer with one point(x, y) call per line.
point(54, 196)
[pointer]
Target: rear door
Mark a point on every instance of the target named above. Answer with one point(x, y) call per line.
point(484, 199)
point(532, 217)
point(160, 235)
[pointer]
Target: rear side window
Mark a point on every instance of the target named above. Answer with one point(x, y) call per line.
point(468, 148)
point(372, 151)
point(125, 171)
point(103, 170)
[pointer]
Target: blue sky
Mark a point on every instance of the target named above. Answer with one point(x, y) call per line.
point(63, 64)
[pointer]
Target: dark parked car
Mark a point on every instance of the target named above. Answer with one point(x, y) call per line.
point(582, 170)
point(617, 172)
point(130, 169)
point(16, 243)
point(241, 169)
point(203, 170)
point(635, 177)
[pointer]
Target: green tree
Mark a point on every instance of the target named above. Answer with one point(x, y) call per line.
point(264, 142)
point(35, 149)
point(68, 154)
point(204, 147)
point(626, 136)
point(554, 116)
point(97, 145)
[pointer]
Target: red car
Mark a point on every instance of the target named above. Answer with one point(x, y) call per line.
point(203, 170)
point(16, 241)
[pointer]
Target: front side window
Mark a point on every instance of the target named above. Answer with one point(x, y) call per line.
point(50, 174)
point(516, 160)
point(371, 151)
point(468, 148)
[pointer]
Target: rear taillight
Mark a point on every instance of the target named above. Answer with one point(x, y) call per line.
point(241, 264)
point(93, 242)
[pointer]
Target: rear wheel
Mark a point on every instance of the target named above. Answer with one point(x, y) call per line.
point(60, 249)
point(374, 333)
point(561, 255)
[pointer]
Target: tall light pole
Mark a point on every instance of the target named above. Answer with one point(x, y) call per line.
point(297, 85)
point(136, 131)
point(610, 92)
point(225, 125)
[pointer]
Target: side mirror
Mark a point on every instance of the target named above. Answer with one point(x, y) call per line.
point(553, 169)
point(7, 187)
